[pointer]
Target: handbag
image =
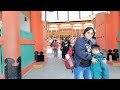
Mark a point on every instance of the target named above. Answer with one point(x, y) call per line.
point(69, 62)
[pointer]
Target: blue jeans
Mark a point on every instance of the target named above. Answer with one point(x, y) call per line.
point(82, 72)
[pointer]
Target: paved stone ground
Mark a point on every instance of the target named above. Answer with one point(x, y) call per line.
point(55, 69)
point(114, 72)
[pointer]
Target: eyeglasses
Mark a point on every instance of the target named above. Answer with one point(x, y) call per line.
point(90, 33)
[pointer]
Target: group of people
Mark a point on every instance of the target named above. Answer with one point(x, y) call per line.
point(90, 62)
point(64, 46)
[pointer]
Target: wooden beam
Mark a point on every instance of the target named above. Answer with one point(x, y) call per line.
point(26, 41)
point(70, 22)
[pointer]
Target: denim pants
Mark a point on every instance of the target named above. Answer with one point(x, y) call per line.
point(82, 72)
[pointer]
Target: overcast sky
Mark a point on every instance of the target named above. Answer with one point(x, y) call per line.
point(55, 16)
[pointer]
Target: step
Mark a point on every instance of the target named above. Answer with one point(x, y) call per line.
point(37, 66)
point(116, 64)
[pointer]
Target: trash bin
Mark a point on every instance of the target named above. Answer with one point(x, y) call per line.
point(41, 57)
point(115, 54)
point(36, 56)
point(109, 55)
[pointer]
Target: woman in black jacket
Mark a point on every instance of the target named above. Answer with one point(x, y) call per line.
point(65, 47)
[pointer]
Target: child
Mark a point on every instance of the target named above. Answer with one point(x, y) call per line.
point(99, 69)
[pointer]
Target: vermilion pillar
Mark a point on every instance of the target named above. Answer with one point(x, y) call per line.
point(37, 28)
point(115, 20)
point(11, 35)
point(83, 27)
point(58, 31)
point(72, 30)
point(48, 32)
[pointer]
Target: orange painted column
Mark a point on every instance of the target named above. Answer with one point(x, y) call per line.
point(115, 20)
point(58, 31)
point(1, 43)
point(0, 16)
point(38, 31)
point(11, 35)
point(82, 27)
point(72, 31)
point(48, 32)
point(44, 38)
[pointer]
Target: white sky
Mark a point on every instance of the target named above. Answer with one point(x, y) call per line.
point(63, 15)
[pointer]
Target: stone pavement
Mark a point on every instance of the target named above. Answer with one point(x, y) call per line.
point(55, 69)
point(114, 72)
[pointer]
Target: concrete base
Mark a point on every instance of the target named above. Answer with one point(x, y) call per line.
point(37, 66)
point(114, 63)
